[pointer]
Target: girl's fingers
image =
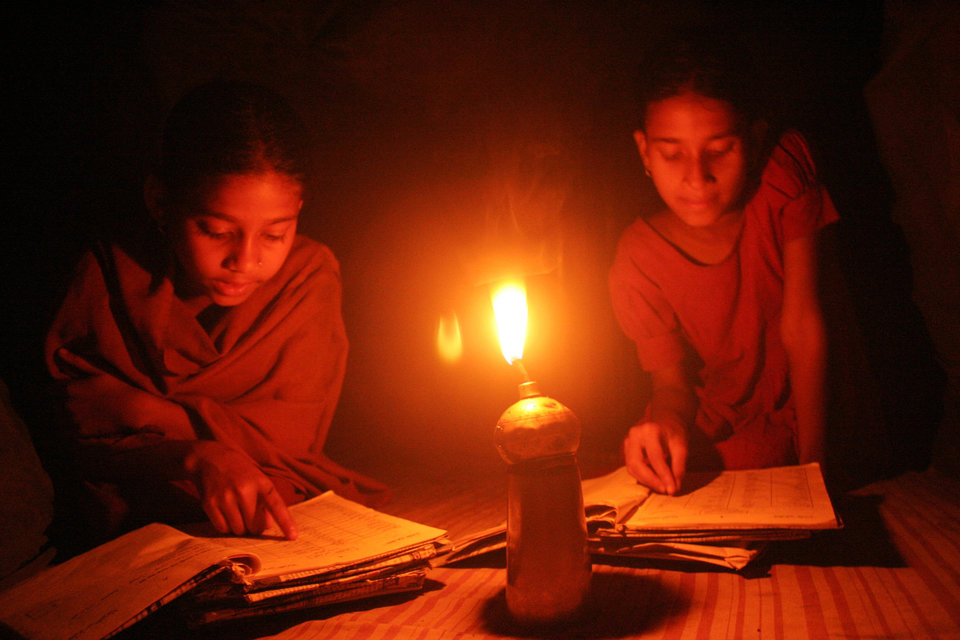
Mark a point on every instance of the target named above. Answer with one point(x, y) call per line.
point(249, 506)
point(277, 509)
point(658, 462)
point(678, 461)
point(638, 463)
point(641, 469)
point(269, 524)
point(216, 517)
point(231, 513)
point(645, 476)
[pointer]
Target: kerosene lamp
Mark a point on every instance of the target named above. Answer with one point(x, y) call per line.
point(548, 563)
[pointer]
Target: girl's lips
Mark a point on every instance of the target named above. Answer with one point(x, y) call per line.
point(697, 204)
point(233, 289)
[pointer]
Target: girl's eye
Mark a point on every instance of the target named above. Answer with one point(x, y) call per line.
point(719, 153)
point(275, 234)
point(671, 156)
point(210, 232)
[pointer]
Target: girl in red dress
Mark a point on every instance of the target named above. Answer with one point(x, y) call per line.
point(718, 288)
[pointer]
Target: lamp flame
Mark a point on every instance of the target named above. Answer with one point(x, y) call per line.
point(510, 309)
point(449, 340)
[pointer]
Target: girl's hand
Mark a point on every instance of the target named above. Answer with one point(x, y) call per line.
point(656, 455)
point(235, 494)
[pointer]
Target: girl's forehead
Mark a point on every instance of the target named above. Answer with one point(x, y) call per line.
point(690, 115)
point(254, 182)
point(254, 196)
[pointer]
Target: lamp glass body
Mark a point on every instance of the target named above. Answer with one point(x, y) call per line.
point(548, 563)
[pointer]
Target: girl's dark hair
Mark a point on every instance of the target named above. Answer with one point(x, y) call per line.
point(707, 61)
point(222, 128)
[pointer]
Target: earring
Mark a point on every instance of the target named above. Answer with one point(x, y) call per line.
point(646, 170)
point(260, 263)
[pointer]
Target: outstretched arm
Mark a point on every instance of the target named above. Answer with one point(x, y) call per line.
point(656, 450)
point(804, 338)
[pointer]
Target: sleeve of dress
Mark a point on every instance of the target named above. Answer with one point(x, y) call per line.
point(792, 173)
point(641, 309)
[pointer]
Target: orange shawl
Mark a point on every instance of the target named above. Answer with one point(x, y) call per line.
point(265, 379)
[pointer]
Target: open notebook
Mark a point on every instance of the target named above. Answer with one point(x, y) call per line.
point(721, 518)
point(344, 551)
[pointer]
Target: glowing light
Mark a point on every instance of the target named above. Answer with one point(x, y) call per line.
point(449, 341)
point(510, 309)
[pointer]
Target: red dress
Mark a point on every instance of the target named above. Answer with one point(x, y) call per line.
point(264, 377)
point(725, 318)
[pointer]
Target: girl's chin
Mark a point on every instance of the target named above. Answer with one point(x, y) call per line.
point(701, 215)
point(231, 301)
point(698, 218)
point(227, 302)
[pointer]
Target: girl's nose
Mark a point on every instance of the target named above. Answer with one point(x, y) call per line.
point(245, 256)
point(698, 172)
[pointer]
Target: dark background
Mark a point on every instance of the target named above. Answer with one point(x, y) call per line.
point(436, 124)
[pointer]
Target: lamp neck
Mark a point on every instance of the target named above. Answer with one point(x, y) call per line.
point(529, 389)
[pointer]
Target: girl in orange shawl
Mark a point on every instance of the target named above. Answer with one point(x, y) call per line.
point(201, 365)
